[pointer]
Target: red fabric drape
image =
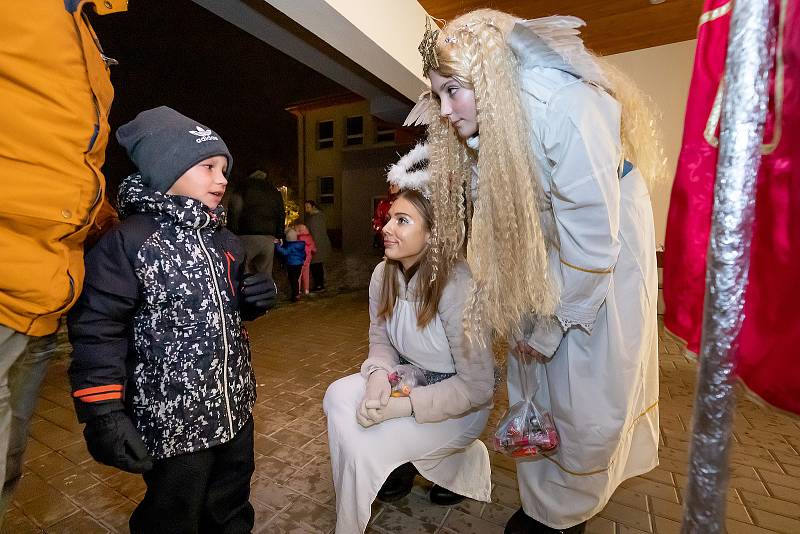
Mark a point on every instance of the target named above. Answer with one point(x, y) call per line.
point(768, 358)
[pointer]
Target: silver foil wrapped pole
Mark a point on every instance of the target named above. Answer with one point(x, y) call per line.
point(742, 127)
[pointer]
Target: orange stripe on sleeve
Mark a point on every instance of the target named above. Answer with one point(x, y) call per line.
point(101, 397)
point(97, 389)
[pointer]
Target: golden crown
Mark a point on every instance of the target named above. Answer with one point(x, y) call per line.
point(427, 48)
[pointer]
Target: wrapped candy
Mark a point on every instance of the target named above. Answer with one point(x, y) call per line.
point(526, 429)
point(404, 378)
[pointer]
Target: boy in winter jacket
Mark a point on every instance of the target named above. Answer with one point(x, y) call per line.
point(294, 253)
point(161, 370)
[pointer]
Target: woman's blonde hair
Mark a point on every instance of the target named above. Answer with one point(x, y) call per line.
point(506, 248)
point(429, 287)
point(505, 238)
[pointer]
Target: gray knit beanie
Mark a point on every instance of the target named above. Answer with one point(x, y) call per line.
point(165, 144)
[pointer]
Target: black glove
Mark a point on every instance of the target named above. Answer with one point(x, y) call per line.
point(259, 294)
point(113, 440)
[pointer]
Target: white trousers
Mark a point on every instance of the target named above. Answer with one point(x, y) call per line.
point(447, 453)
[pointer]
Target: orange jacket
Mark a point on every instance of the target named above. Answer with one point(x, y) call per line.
point(56, 94)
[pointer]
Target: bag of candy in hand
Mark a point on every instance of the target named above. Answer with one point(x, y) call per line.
point(404, 378)
point(526, 429)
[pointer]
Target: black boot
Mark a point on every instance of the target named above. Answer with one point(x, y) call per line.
point(520, 523)
point(398, 484)
point(444, 497)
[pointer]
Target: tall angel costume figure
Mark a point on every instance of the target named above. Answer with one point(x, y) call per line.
point(538, 161)
point(416, 317)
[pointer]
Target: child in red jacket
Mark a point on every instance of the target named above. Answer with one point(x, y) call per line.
point(311, 248)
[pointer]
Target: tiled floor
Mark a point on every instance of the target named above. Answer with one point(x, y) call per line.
point(298, 350)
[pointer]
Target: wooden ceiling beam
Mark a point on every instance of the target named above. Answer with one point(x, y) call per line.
point(613, 26)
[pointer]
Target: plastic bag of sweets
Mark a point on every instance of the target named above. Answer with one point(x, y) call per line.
point(404, 378)
point(526, 429)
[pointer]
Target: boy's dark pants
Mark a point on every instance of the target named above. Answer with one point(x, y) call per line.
point(294, 279)
point(204, 491)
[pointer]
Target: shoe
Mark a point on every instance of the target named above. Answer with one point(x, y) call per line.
point(444, 497)
point(318, 289)
point(521, 523)
point(398, 484)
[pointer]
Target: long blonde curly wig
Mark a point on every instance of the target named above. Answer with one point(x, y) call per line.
point(641, 133)
point(505, 241)
point(506, 247)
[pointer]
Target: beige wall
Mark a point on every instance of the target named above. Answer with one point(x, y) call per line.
point(363, 179)
point(663, 72)
point(359, 172)
point(328, 162)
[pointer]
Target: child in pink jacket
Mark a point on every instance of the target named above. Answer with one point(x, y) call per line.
point(311, 248)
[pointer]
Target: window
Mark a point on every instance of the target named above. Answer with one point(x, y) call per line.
point(384, 132)
point(326, 190)
point(324, 134)
point(385, 136)
point(354, 131)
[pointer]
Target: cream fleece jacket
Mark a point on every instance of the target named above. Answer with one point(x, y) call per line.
point(473, 384)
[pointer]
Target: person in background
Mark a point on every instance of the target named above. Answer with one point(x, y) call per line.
point(293, 250)
point(311, 248)
point(258, 218)
point(381, 216)
point(315, 221)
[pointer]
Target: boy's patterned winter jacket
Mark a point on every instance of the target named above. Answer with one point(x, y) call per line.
point(158, 325)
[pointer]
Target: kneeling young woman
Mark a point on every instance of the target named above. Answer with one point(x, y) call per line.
point(415, 317)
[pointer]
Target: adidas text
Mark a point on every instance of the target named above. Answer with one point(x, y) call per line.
point(206, 138)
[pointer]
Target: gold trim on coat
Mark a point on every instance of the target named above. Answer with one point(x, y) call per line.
point(710, 131)
point(598, 471)
point(590, 271)
point(714, 14)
